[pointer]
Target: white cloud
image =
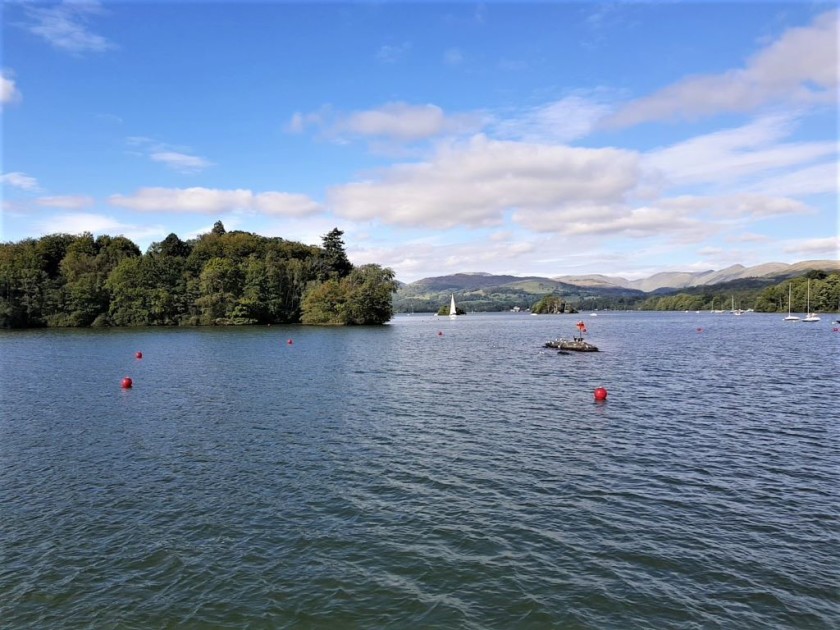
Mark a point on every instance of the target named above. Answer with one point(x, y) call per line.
point(811, 180)
point(617, 220)
point(70, 202)
point(680, 219)
point(188, 200)
point(19, 180)
point(300, 121)
point(215, 201)
point(760, 206)
point(561, 121)
point(748, 237)
point(175, 158)
point(417, 259)
point(76, 223)
point(799, 67)
point(65, 27)
point(734, 154)
point(296, 124)
point(285, 204)
point(815, 247)
point(735, 207)
point(180, 162)
point(474, 183)
point(395, 121)
point(9, 92)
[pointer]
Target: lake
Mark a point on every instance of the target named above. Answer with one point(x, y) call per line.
point(427, 473)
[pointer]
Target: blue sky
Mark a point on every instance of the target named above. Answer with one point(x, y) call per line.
point(523, 138)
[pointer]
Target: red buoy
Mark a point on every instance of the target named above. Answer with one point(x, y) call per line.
point(440, 333)
point(600, 393)
point(699, 330)
point(126, 383)
point(290, 342)
point(139, 355)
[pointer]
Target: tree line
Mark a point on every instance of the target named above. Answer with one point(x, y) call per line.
point(824, 296)
point(218, 278)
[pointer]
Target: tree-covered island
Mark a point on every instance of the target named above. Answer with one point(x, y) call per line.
point(219, 278)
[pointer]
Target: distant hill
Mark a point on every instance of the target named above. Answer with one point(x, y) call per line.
point(476, 292)
point(682, 279)
point(488, 292)
point(470, 282)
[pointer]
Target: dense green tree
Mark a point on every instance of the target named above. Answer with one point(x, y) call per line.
point(369, 290)
point(362, 298)
point(220, 283)
point(53, 249)
point(148, 291)
point(170, 246)
point(325, 304)
point(816, 274)
point(551, 304)
point(335, 263)
point(25, 287)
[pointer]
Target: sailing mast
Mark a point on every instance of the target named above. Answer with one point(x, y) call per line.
point(790, 318)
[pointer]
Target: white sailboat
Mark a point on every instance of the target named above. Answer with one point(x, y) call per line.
point(453, 312)
point(810, 317)
point(790, 318)
point(736, 311)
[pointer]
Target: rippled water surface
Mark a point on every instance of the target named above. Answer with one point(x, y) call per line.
point(428, 473)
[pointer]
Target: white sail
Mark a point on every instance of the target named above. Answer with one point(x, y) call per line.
point(810, 317)
point(790, 317)
point(453, 312)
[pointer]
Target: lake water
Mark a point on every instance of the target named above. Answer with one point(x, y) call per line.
point(395, 477)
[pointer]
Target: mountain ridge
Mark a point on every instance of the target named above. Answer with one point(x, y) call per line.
point(660, 280)
point(684, 279)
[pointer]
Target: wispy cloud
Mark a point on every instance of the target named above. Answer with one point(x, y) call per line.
point(816, 179)
point(215, 201)
point(76, 223)
point(19, 180)
point(392, 53)
point(9, 93)
point(815, 247)
point(65, 25)
point(181, 162)
point(176, 158)
point(69, 202)
point(800, 67)
point(564, 120)
point(735, 154)
point(396, 121)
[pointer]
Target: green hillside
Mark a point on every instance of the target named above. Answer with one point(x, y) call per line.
point(489, 293)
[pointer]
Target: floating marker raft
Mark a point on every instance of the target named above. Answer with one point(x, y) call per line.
point(578, 345)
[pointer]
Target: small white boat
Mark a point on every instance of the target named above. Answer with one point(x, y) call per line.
point(790, 318)
point(453, 312)
point(810, 317)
